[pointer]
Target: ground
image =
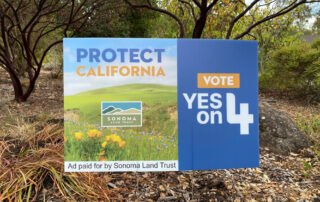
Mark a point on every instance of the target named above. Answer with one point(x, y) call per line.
point(47, 99)
point(279, 178)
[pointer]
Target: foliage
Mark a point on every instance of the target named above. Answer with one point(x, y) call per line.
point(311, 127)
point(116, 19)
point(226, 19)
point(316, 25)
point(222, 22)
point(29, 30)
point(283, 31)
point(316, 44)
point(307, 168)
point(54, 62)
point(92, 143)
point(294, 69)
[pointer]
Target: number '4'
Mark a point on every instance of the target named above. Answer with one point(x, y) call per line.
point(244, 118)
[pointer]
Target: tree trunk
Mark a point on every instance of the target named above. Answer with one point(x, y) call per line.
point(19, 95)
point(18, 91)
point(29, 90)
point(200, 24)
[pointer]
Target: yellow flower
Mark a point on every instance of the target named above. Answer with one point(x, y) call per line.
point(102, 158)
point(150, 138)
point(121, 144)
point(115, 138)
point(65, 139)
point(78, 135)
point(99, 134)
point(92, 133)
point(101, 153)
point(104, 144)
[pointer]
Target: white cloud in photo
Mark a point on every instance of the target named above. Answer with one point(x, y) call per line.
point(68, 54)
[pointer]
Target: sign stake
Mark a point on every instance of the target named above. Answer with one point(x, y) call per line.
point(137, 186)
point(192, 180)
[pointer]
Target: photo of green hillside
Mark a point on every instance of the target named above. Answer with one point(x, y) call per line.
point(86, 140)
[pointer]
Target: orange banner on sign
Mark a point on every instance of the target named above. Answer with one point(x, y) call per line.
point(222, 80)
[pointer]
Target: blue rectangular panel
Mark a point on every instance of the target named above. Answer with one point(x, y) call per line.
point(203, 144)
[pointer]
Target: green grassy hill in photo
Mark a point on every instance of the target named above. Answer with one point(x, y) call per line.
point(86, 140)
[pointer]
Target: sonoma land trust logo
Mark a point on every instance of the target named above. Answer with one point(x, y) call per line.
point(121, 114)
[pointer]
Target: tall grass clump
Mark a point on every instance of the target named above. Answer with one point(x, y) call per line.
point(311, 127)
point(32, 169)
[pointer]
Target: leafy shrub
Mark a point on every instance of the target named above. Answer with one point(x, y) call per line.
point(311, 127)
point(294, 69)
point(316, 44)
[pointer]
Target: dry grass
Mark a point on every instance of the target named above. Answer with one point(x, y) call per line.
point(32, 164)
point(31, 169)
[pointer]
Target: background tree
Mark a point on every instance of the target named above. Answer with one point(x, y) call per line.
point(234, 17)
point(316, 25)
point(110, 19)
point(274, 34)
point(272, 23)
point(116, 19)
point(29, 29)
point(294, 70)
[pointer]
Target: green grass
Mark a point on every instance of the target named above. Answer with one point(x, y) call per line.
point(311, 127)
point(155, 140)
point(138, 145)
point(151, 95)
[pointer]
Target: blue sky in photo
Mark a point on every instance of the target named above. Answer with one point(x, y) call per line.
point(74, 84)
point(70, 46)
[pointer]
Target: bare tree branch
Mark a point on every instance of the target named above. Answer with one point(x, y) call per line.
point(283, 11)
point(22, 33)
point(191, 8)
point(236, 19)
point(197, 3)
point(211, 5)
point(201, 21)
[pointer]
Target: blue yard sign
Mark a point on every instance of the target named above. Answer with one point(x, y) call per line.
point(160, 104)
point(218, 122)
